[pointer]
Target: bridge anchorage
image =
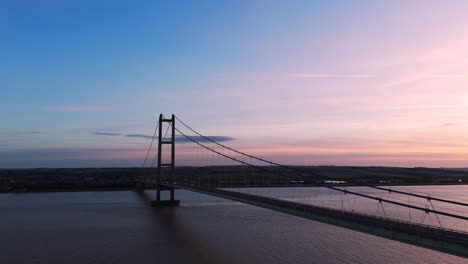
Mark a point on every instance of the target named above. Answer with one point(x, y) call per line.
point(168, 167)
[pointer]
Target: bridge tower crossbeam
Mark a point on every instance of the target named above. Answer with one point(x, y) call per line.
point(161, 186)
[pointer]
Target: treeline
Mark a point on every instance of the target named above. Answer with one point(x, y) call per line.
point(126, 178)
point(70, 179)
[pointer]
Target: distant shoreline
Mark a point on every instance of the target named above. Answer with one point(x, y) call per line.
point(122, 179)
point(252, 186)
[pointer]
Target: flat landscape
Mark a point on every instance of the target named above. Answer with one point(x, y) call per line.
point(66, 179)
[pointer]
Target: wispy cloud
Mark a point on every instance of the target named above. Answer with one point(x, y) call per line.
point(182, 139)
point(106, 134)
point(448, 124)
point(33, 132)
point(83, 108)
point(330, 75)
point(139, 136)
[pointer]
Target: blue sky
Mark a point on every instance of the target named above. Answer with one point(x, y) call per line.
point(306, 82)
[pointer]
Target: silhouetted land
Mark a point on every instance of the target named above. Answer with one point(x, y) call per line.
point(36, 180)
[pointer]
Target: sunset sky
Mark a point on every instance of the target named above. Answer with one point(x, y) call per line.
point(298, 82)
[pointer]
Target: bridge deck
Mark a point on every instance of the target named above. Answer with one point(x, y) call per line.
point(440, 239)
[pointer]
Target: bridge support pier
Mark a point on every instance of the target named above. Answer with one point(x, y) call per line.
point(170, 166)
point(171, 202)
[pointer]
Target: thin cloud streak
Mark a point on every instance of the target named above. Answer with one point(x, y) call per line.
point(330, 75)
point(139, 136)
point(32, 132)
point(182, 139)
point(83, 108)
point(106, 134)
point(179, 138)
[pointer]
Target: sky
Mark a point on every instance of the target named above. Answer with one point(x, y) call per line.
point(381, 83)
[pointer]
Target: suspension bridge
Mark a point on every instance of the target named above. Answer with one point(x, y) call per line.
point(438, 223)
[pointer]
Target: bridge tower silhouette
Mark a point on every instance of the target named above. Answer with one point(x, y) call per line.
point(168, 167)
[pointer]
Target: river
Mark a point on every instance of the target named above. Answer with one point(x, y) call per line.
point(118, 227)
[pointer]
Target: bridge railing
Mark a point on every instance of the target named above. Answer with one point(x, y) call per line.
point(304, 207)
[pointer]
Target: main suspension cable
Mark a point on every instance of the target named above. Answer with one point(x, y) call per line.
point(427, 197)
point(236, 151)
point(221, 154)
point(427, 210)
point(151, 144)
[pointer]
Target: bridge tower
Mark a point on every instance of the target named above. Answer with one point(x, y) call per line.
point(169, 168)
